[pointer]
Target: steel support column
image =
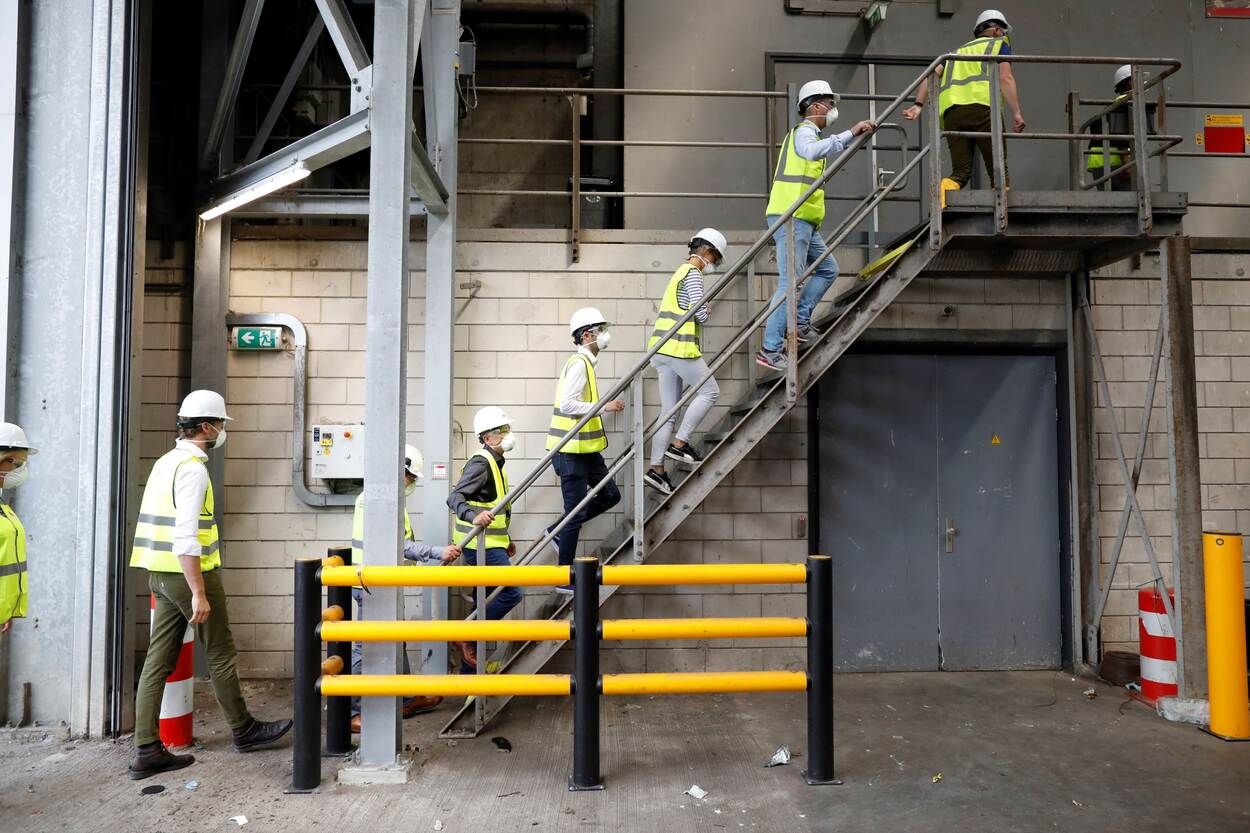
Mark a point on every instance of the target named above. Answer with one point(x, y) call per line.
point(11, 68)
point(390, 113)
point(1183, 460)
point(439, 56)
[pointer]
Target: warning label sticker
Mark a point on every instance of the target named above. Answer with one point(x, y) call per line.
point(994, 440)
point(1224, 120)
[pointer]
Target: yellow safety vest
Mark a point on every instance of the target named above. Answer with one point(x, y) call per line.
point(497, 533)
point(793, 176)
point(154, 534)
point(1093, 156)
point(685, 343)
point(591, 437)
point(968, 82)
point(358, 530)
point(12, 565)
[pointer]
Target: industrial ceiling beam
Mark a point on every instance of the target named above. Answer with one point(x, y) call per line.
point(346, 39)
point(284, 90)
point(237, 62)
point(323, 206)
point(426, 183)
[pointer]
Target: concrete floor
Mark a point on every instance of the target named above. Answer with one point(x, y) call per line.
point(1016, 751)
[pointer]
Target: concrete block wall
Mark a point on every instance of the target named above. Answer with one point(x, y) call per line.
point(1126, 310)
point(511, 340)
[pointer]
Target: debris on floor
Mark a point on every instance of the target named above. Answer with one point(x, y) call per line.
point(780, 758)
point(1184, 710)
point(696, 791)
point(502, 744)
point(1076, 803)
point(438, 824)
point(191, 785)
point(239, 820)
point(152, 789)
point(1091, 693)
point(937, 777)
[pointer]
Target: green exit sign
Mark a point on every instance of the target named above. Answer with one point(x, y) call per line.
point(256, 338)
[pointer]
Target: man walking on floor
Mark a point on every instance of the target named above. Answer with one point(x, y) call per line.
point(964, 100)
point(579, 461)
point(177, 542)
point(799, 165)
point(414, 551)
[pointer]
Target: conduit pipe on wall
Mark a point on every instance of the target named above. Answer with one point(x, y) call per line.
point(299, 339)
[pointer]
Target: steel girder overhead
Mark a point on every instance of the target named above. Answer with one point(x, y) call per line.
point(345, 137)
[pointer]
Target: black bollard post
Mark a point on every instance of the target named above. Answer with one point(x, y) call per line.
point(819, 671)
point(306, 763)
point(339, 709)
point(586, 675)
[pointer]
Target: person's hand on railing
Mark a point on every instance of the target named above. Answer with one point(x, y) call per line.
point(865, 126)
point(913, 112)
point(614, 405)
point(450, 553)
point(484, 518)
point(1017, 121)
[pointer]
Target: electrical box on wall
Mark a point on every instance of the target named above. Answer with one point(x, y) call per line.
point(338, 452)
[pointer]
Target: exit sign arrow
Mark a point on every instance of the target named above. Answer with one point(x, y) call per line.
point(257, 338)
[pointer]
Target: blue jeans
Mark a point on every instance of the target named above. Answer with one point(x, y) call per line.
point(357, 654)
point(508, 598)
point(808, 247)
point(579, 473)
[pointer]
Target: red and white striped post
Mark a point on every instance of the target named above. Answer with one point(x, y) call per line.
point(1158, 646)
point(178, 702)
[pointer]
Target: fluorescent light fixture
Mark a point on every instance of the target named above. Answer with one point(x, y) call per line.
point(275, 182)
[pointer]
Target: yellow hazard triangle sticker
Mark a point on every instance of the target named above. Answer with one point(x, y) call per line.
point(994, 440)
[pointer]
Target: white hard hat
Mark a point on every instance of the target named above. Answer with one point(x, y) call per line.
point(488, 419)
point(988, 15)
point(1123, 74)
point(12, 436)
point(813, 89)
point(414, 463)
point(714, 237)
point(586, 317)
point(203, 403)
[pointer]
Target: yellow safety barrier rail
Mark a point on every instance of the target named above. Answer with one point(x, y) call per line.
point(333, 626)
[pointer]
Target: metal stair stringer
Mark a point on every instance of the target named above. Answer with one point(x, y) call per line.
point(760, 416)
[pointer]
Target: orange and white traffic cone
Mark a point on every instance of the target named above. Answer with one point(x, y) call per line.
point(178, 702)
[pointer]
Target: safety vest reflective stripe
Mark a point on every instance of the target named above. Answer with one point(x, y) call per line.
point(792, 177)
point(685, 343)
point(13, 577)
point(154, 533)
point(358, 530)
point(591, 437)
point(968, 82)
point(1093, 156)
point(497, 532)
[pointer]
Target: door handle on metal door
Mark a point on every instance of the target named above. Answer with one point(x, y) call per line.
point(951, 532)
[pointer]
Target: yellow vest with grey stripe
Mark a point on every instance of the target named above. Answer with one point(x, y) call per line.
point(497, 533)
point(685, 343)
point(1093, 156)
point(154, 534)
point(968, 82)
point(793, 176)
point(12, 565)
point(591, 437)
point(358, 530)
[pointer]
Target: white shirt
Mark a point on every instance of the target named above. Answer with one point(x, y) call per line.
point(190, 486)
point(575, 380)
point(809, 145)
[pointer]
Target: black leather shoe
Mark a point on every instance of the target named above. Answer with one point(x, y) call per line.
point(260, 733)
point(153, 758)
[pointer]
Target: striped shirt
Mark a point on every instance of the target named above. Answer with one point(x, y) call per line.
point(690, 293)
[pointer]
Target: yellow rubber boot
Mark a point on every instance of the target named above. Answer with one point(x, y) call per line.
point(948, 184)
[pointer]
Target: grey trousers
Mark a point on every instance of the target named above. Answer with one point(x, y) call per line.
point(675, 376)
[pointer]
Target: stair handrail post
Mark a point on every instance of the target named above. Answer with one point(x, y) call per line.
point(935, 160)
point(1141, 153)
point(637, 426)
point(820, 671)
point(997, 149)
point(586, 681)
point(338, 740)
point(480, 596)
point(306, 749)
point(792, 314)
point(1074, 145)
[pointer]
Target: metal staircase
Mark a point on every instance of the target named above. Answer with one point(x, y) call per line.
point(1050, 234)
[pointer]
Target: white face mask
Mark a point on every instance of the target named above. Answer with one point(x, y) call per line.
point(410, 488)
point(602, 339)
point(16, 477)
point(507, 443)
point(709, 267)
point(221, 438)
